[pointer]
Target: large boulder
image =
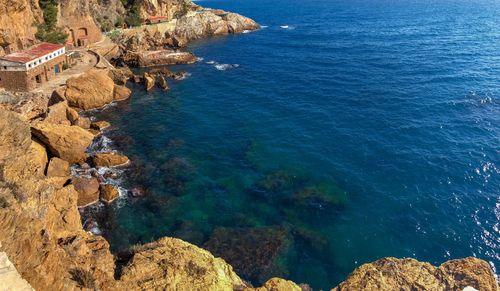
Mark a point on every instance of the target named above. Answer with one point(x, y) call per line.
point(172, 264)
point(410, 274)
point(57, 114)
point(87, 188)
point(121, 93)
point(58, 168)
point(109, 159)
point(66, 142)
point(90, 90)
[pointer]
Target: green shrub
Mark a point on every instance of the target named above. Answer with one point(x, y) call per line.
point(3, 202)
point(132, 18)
point(114, 35)
point(119, 21)
point(47, 31)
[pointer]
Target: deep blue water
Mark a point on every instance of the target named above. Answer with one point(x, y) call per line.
point(387, 111)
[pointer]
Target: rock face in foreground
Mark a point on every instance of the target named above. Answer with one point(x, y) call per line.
point(172, 264)
point(410, 274)
point(10, 278)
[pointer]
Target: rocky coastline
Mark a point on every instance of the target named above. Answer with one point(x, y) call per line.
point(49, 174)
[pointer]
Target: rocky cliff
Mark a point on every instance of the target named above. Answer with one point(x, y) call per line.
point(17, 24)
point(171, 9)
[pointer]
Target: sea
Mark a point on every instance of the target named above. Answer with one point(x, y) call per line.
point(341, 132)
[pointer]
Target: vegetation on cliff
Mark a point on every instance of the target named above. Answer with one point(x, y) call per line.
point(48, 30)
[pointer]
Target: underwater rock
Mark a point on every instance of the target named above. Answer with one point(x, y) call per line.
point(177, 172)
point(319, 197)
point(277, 181)
point(251, 251)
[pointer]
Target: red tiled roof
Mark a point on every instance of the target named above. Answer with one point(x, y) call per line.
point(35, 52)
point(158, 17)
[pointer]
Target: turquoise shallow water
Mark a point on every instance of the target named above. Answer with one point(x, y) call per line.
point(342, 132)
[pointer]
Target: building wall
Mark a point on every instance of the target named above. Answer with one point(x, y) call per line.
point(31, 79)
point(6, 65)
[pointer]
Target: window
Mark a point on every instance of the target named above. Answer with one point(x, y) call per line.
point(5, 67)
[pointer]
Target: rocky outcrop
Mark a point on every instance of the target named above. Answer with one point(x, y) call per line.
point(93, 89)
point(100, 125)
point(158, 58)
point(109, 159)
point(205, 23)
point(155, 45)
point(66, 142)
point(108, 193)
point(172, 264)
point(410, 274)
point(162, 83)
point(120, 76)
point(277, 284)
point(149, 82)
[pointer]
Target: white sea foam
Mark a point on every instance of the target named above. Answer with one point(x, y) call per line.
point(223, 67)
point(199, 59)
point(211, 62)
point(185, 76)
point(287, 27)
point(246, 31)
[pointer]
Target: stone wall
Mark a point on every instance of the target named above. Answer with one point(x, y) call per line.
point(29, 80)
